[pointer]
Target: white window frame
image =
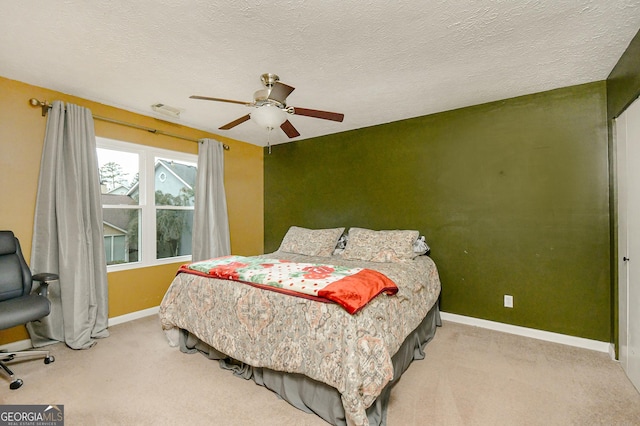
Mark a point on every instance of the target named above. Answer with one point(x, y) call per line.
point(147, 207)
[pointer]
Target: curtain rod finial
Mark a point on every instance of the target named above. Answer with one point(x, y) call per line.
point(44, 105)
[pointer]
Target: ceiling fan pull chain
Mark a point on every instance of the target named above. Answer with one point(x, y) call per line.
point(269, 139)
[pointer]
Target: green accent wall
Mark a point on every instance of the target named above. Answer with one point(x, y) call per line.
point(623, 83)
point(513, 197)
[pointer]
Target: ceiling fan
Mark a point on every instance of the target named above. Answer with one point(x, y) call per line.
point(271, 107)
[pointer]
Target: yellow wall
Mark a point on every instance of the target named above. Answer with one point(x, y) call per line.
point(22, 129)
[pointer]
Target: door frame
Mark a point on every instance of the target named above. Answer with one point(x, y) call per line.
point(626, 133)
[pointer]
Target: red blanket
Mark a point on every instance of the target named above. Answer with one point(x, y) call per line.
point(352, 288)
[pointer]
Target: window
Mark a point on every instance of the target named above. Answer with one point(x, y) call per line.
point(147, 203)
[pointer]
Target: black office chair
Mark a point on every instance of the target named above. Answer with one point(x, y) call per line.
point(17, 304)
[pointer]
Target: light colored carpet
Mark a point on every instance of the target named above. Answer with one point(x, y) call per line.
point(471, 376)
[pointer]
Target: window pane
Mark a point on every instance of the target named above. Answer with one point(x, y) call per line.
point(119, 174)
point(173, 232)
point(121, 230)
point(139, 183)
point(174, 182)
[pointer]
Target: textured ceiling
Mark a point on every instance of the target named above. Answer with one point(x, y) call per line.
point(374, 61)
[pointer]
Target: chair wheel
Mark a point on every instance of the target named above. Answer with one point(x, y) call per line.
point(49, 359)
point(16, 384)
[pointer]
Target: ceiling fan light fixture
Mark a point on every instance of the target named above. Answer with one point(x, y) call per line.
point(269, 108)
point(268, 116)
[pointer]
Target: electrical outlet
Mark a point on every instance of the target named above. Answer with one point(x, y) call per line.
point(508, 301)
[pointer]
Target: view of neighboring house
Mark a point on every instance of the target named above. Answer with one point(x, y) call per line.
point(116, 224)
point(119, 190)
point(174, 186)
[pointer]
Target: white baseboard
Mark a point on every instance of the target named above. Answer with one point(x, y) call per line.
point(564, 339)
point(612, 351)
point(594, 345)
point(133, 316)
point(20, 345)
point(23, 345)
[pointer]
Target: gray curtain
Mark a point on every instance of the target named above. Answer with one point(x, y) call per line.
point(210, 219)
point(67, 232)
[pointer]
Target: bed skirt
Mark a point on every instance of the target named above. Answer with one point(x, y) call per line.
point(316, 397)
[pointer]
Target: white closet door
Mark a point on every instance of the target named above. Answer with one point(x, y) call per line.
point(628, 150)
point(623, 249)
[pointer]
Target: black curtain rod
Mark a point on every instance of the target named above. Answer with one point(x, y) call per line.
point(46, 106)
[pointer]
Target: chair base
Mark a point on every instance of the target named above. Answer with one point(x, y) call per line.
point(5, 357)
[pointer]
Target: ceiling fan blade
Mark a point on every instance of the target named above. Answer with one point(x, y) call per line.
point(234, 123)
point(280, 91)
point(288, 128)
point(207, 98)
point(325, 115)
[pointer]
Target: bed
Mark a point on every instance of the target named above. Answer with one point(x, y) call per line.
point(314, 353)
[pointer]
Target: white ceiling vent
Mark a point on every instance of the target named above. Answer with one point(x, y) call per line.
point(167, 110)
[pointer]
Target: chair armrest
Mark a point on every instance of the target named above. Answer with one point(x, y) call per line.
point(44, 278)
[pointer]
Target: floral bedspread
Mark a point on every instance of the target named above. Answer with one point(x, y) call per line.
point(262, 328)
point(352, 288)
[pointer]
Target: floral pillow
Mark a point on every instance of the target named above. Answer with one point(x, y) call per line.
point(380, 246)
point(311, 242)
